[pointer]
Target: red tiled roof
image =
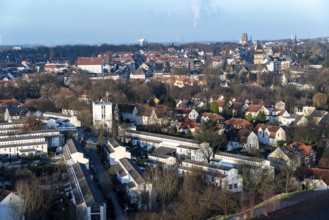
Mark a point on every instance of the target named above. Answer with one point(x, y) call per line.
point(89, 60)
point(254, 108)
point(5, 101)
point(239, 123)
point(302, 148)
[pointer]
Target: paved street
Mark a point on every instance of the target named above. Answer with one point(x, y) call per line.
point(99, 170)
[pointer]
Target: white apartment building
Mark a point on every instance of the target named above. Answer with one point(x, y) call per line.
point(222, 176)
point(103, 114)
point(23, 146)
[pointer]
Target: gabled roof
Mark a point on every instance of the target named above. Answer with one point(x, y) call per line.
point(302, 148)
point(254, 108)
point(126, 108)
point(5, 101)
point(239, 123)
point(212, 116)
point(84, 188)
point(237, 105)
point(89, 60)
point(133, 170)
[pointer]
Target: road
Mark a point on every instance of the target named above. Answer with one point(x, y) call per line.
point(99, 170)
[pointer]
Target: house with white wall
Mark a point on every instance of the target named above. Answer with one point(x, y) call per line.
point(86, 197)
point(270, 134)
point(129, 174)
point(222, 176)
point(114, 151)
point(73, 153)
point(91, 64)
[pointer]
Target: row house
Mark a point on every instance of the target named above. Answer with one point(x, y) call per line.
point(227, 178)
point(270, 134)
point(164, 155)
point(234, 160)
point(186, 148)
point(73, 153)
point(23, 146)
point(88, 201)
point(136, 185)
point(114, 151)
point(52, 136)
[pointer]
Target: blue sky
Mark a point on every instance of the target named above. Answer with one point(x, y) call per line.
point(125, 21)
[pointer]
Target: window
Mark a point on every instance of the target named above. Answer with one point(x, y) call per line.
point(230, 186)
point(235, 185)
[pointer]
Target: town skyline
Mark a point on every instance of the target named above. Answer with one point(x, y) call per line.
point(189, 21)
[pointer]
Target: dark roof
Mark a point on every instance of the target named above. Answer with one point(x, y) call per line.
point(3, 194)
point(73, 146)
point(133, 170)
point(128, 108)
point(165, 150)
point(86, 189)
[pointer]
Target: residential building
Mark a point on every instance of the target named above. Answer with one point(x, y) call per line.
point(238, 123)
point(234, 160)
point(86, 197)
point(11, 205)
point(243, 139)
point(73, 153)
point(270, 134)
point(91, 64)
point(23, 146)
point(158, 115)
point(52, 137)
point(103, 115)
point(71, 118)
point(187, 112)
point(255, 110)
point(225, 177)
point(114, 151)
point(165, 155)
point(130, 175)
point(125, 112)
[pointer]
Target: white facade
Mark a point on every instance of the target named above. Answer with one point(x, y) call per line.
point(225, 177)
point(165, 159)
point(11, 206)
point(23, 146)
point(92, 68)
point(103, 115)
point(268, 137)
point(114, 151)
